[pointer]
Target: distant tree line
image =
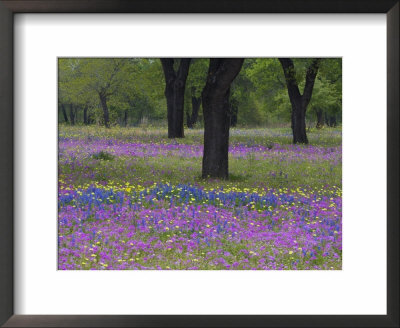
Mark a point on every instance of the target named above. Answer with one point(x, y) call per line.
point(230, 91)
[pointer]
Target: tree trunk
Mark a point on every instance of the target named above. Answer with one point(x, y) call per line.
point(330, 120)
point(106, 116)
point(216, 112)
point(299, 123)
point(71, 114)
point(234, 113)
point(85, 116)
point(299, 102)
point(126, 118)
point(216, 136)
point(64, 113)
point(76, 114)
point(175, 94)
point(196, 102)
point(327, 120)
point(320, 119)
point(333, 121)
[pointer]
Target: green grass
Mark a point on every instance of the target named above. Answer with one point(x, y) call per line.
point(244, 172)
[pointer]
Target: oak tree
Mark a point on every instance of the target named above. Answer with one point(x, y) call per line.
point(217, 115)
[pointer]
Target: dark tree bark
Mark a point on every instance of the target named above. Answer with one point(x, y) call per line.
point(85, 116)
point(328, 123)
point(103, 101)
point(175, 92)
point(191, 119)
point(90, 119)
point(76, 114)
point(71, 114)
point(320, 119)
point(299, 101)
point(234, 113)
point(64, 112)
point(125, 117)
point(216, 111)
point(330, 120)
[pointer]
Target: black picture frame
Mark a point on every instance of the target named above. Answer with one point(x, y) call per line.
point(7, 10)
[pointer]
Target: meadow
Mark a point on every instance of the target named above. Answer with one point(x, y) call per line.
point(130, 198)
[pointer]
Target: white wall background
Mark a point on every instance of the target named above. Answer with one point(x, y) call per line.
point(360, 288)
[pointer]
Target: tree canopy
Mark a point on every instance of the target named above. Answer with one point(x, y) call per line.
point(133, 90)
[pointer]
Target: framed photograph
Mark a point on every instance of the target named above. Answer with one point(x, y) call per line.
point(220, 164)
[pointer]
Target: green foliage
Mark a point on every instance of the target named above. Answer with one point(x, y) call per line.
point(263, 96)
point(103, 155)
point(195, 83)
point(134, 88)
point(325, 96)
point(131, 85)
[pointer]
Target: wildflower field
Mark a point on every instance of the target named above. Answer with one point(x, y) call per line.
point(130, 198)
